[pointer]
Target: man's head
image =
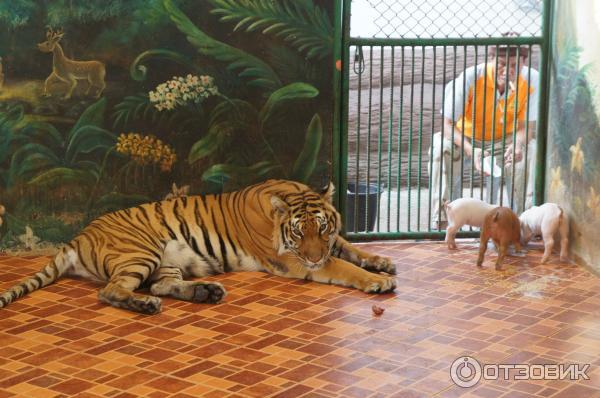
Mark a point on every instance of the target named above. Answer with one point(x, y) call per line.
point(507, 57)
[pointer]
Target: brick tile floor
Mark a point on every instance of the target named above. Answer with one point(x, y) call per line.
point(274, 337)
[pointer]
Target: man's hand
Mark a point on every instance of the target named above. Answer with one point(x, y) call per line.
point(477, 153)
point(509, 157)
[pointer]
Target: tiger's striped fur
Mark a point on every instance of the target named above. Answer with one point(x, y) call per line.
point(277, 226)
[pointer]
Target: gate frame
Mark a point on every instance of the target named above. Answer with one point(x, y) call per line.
point(343, 42)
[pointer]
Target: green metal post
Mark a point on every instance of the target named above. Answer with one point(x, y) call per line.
point(390, 140)
point(340, 142)
point(542, 128)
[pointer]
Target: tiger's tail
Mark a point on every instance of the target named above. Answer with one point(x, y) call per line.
point(49, 274)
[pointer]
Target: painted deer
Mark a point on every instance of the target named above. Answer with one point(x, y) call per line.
point(68, 70)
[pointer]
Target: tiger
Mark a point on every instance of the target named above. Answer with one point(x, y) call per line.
point(280, 227)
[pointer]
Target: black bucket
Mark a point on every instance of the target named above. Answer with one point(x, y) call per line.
point(365, 222)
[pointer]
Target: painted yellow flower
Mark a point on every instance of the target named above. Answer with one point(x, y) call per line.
point(577, 156)
point(556, 184)
point(594, 202)
point(146, 150)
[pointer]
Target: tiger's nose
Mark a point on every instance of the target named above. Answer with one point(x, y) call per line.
point(314, 258)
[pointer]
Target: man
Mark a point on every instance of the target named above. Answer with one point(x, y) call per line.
point(480, 108)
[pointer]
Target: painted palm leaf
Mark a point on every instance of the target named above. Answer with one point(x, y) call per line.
point(294, 91)
point(259, 73)
point(307, 160)
point(305, 26)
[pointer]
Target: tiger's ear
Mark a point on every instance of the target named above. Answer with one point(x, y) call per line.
point(327, 193)
point(279, 205)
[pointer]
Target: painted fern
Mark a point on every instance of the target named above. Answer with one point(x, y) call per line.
point(305, 26)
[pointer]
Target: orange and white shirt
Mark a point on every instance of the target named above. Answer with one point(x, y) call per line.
point(479, 80)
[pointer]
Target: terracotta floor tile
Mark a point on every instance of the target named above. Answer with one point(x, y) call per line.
point(169, 384)
point(275, 337)
point(72, 386)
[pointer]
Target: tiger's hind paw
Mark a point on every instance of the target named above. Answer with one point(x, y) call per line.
point(145, 304)
point(209, 293)
point(379, 263)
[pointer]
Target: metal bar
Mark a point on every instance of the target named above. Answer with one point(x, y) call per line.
point(483, 131)
point(432, 134)
point(464, 41)
point(474, 124)
point(340, 143)
point(410, 132)
point(442, 140)
point(462, 150)
point(504, 113)
point(525, 175)
point(390, 141)
point(380, 136)
point(369, 136)
point(496, 97)
point(420, 143)
point(337, 95)
point(401, 114)
point(515, 124)
point(544, 103)
point(462, 127)
point(356, 177)
point(439, 235)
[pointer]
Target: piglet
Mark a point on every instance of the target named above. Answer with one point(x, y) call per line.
point(546, 220)
point(464, 211)
point(503, 227)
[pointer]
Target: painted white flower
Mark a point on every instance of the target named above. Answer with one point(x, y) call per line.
point(182, 90)
point(161, 88)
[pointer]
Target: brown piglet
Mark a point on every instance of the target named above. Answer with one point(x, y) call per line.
point(503, 227)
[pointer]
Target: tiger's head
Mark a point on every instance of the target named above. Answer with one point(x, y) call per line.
point(306, 225)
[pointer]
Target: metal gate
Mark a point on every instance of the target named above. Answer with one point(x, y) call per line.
point(400, 159)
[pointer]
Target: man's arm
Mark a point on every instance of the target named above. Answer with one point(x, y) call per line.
point(468, 148)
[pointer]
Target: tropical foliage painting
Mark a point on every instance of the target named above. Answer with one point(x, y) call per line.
point(105, 104)
point(573, 170)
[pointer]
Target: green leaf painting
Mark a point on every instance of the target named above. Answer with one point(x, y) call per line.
point(259, 73)
point(307, 160)
point(209, 95)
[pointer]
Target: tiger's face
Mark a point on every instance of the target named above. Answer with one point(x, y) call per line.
point(306, 225)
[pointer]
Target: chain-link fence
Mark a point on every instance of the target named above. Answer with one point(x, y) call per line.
point(445, 18)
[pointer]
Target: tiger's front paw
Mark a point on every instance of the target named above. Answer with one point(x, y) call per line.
point(209, 293)
point(379, 284)
point(145, 304)
point(379, 263)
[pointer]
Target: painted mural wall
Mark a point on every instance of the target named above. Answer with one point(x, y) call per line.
point(105, 104)
point(573, 167)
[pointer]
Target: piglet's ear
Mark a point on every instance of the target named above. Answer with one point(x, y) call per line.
point(328, 192)
point(279, 205)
